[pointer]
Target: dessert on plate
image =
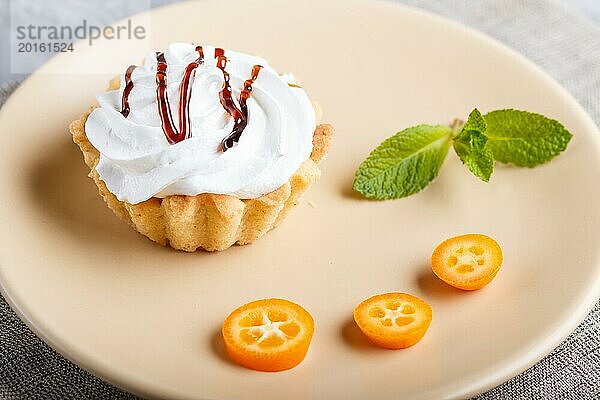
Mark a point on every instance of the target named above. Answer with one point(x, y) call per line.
point(202, 147)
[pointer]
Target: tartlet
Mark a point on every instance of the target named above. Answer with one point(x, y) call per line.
point(208, 221)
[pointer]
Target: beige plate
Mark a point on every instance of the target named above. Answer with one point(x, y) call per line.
point(147, 318)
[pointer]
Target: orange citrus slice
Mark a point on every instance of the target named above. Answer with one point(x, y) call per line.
point(393, 320)
point(467, 262)
point(268, 335)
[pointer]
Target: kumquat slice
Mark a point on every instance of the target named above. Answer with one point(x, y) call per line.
point(467, 262)
point(393, 320)
point(268, 335)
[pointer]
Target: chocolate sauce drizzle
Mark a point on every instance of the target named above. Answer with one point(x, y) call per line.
point(240, 124)
point(172, 132)
point(239, 115)
point(185, 92)
point(128, 86)
point(176, 134)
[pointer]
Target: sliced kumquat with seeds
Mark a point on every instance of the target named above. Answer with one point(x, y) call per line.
point(393, 320)
point(268, 335)
point(467, 262)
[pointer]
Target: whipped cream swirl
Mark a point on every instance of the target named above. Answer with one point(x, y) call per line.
point(137, 161)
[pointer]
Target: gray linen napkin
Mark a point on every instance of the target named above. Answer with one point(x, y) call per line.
point(561, 42)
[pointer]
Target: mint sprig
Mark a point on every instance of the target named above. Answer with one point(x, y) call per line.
point(524, 139)
point(407, 162)
point(471, 147)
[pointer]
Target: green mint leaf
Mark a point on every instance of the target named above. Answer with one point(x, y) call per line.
point(473, 152)
point(470, 146)
point(475, 122)
point(524, 139)
point(403, 164)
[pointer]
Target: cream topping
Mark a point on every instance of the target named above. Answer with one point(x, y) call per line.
point(137, 162)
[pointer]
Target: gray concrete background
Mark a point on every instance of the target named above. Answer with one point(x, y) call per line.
point(102, 12)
